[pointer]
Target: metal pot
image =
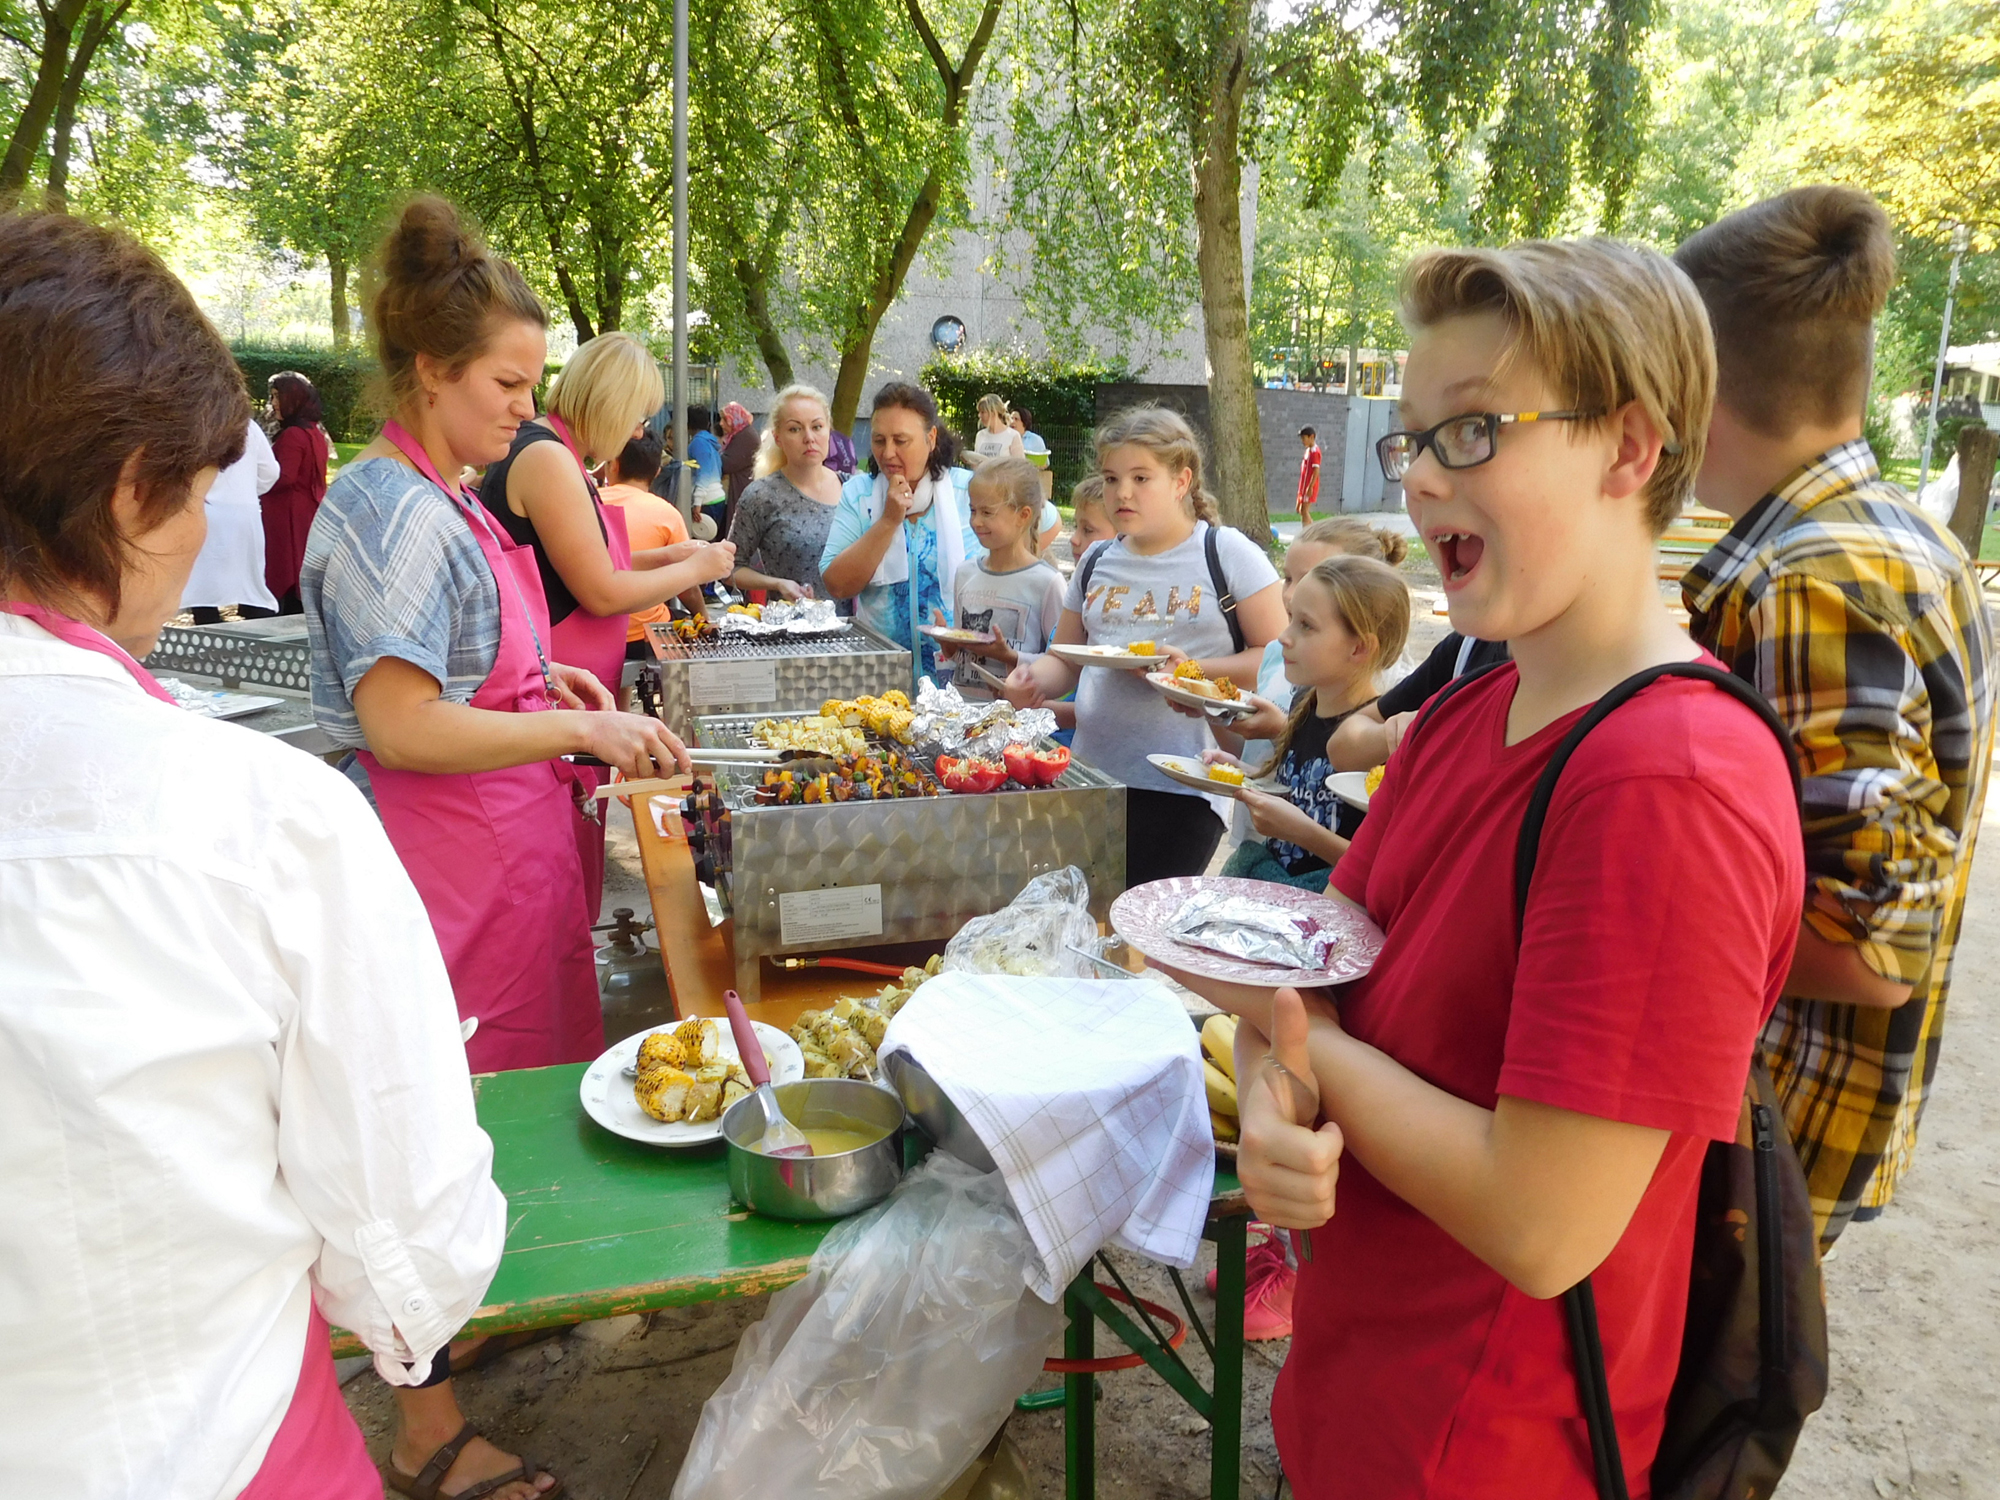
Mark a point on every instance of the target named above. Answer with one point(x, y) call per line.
point(816, 1187)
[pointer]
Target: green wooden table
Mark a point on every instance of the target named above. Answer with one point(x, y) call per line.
point(598, 1226)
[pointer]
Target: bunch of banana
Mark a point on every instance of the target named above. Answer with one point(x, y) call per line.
point(1218, 1071)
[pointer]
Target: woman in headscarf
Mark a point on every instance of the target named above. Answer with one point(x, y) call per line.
point(739, 457)
point(300, 447)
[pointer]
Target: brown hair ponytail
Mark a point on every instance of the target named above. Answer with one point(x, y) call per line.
point(441, 295)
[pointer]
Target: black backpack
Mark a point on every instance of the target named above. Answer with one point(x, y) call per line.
point(1224, 599)
point(1753, 1362)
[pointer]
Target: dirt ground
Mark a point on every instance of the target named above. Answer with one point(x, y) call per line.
point(1914, 1300)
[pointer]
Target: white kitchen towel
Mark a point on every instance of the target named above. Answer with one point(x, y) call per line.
point(937, 498)
point(1089, 1094)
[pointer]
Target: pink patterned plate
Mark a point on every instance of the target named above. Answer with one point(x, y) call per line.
point(1141, 915)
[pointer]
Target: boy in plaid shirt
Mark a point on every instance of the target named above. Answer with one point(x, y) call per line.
point(1859, 618)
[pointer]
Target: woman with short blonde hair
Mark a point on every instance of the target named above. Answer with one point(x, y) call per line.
point(542, 492)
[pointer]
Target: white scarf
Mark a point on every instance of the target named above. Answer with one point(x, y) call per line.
point(940, 496)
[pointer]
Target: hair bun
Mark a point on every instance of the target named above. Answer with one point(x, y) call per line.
point(1818, 252)
point(429, 243)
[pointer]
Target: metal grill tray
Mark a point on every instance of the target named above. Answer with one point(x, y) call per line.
point(276, 656)
point(796, 675)
point(847, 640)
point(939, 861)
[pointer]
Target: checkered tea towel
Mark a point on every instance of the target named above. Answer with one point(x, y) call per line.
point(1089, 1094)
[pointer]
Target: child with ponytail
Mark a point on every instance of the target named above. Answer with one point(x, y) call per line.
point(1349, 619)
point(1197, 590)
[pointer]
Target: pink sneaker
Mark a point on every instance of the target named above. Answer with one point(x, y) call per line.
point(1267, 1305)
point(1263, 1256)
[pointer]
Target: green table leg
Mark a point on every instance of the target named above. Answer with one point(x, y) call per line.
point(1226, 1422)
point(1080, 1398)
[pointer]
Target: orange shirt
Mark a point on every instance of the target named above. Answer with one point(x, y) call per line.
point(650, 522)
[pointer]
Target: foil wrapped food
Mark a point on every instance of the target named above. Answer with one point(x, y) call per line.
point(947, 724)
point(1255, 931)
point(782, 617)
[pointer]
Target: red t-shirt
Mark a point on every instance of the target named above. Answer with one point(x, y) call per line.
point(1664, 909)
point(1309, 475)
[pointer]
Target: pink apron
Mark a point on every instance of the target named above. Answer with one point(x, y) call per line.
point(597, 644)
point(494, 853)
point(317, 1449)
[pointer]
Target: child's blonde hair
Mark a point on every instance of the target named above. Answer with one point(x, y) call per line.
point(1017, 482)
point(1373, 603)
point(610, 385)
point(1088, 491)
point(1356, 538)
point(992, 404)
point(1604, 323)
point(770, 457)
point(1166, 435)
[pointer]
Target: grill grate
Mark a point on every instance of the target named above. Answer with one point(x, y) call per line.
point(849, 642)
point(232, 658)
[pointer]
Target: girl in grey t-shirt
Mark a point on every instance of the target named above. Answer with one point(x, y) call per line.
point(1154, 583)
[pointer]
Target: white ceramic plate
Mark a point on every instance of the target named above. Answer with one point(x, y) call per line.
point(1350, 787)
point(1106, 656)
point(1219, 707)
point(607, 1092)
point(1191, 772)
point(1141, 915)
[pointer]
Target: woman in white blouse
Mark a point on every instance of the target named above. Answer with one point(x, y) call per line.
point(234, 1104)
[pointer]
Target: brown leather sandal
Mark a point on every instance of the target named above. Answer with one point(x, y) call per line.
point(426, 1485)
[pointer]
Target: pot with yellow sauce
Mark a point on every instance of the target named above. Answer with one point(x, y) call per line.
point(856, 1131)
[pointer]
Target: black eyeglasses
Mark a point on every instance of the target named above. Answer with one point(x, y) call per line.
point(1462, 442)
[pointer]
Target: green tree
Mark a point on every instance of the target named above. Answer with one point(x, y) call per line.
point(1162, 101)
point(64, 40)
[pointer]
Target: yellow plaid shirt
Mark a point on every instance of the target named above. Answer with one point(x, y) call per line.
point(1859, 618)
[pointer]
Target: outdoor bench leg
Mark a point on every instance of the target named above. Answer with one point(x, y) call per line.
point(1080, 1398)
point(1226, 1422)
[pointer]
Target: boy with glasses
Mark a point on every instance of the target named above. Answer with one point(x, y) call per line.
point(1505, 1115)
point(1859, 618)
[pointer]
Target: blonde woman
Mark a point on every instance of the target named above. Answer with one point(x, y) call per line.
point(996, 439)
point(783, 517)
point(543, 494)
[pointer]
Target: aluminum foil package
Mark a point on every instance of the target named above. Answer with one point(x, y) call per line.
point(1241, 927)
point(782, 618)
point(946, 724)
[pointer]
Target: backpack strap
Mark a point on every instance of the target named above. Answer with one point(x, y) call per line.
point(1579, 1302)
point(1213, 547)
point(1089, 565)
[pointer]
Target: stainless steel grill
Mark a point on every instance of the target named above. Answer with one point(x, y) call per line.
point(937, 861)
point(767, 677)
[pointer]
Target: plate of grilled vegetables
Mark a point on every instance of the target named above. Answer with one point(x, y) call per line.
point(671, 1085)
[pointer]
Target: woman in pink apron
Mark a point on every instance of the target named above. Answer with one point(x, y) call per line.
point(543, 494)
point(223, 998)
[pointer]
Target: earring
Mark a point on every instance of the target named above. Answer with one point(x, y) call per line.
point(432, 397)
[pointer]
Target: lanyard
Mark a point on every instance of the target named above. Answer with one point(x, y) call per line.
point(89, 638)
point(411, 449)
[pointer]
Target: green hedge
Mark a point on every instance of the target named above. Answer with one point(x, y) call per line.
point(1061, 395)
point(340, 376)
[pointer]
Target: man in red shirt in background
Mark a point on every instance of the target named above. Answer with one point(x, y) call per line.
point(1505, 1115)
point(649, 520)
point(1308, 475)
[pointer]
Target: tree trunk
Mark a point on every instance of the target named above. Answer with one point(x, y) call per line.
point(1218, 212)
point(755, 281)
point(58, 22)
point(858, 346)
point(95, 30)
point(336, 267)
point(572, 299)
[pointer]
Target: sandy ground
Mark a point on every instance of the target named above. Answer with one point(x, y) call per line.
point(1914, 1301)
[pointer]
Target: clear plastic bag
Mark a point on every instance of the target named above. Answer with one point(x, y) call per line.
point(883, 1374)
point(1037, 934)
